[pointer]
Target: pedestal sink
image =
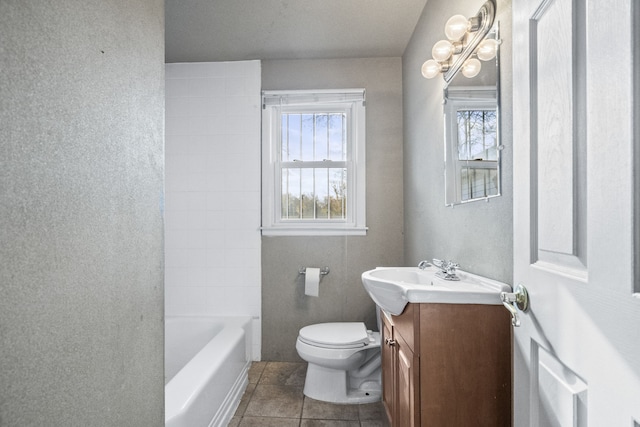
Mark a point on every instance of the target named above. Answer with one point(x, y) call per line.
point(391, 288)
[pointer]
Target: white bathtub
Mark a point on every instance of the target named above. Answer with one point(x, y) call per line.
point(206, 364)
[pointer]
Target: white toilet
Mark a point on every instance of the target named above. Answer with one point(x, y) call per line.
point(344, 362)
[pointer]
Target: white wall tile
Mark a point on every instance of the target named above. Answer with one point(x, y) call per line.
point(215, 277)
point(215, 220)
point(242, 220)
point(242, 239)
point(241, 105)
point(196, 276)
point(239, 144)
point(214, 239)
point(215, 125)
point(237, 86)
point(209, 87)
point(240, 258)
point(247, 277)
point(216, 258)
point(237, 123)
point(244, 200)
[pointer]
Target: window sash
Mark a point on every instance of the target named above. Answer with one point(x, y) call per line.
point(324, 205)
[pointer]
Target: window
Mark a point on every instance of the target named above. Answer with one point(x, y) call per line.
point(313, 148)
point(472, 153)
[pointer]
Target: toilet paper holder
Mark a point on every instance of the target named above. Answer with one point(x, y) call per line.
point(323, 271)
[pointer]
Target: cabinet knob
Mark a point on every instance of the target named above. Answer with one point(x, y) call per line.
point(389, 341)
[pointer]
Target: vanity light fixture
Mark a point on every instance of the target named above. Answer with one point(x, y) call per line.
point(465, 45)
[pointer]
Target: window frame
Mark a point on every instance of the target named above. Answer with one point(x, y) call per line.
point(348, 101)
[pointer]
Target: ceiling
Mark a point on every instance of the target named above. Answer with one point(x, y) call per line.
point(232, 30)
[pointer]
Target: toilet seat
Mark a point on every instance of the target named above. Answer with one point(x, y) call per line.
point(339, 335)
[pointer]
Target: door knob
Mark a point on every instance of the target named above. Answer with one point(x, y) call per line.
point(514, 301)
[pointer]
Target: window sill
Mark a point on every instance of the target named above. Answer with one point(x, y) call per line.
point(311, 231)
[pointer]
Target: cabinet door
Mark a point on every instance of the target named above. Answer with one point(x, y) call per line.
point(406, 375)
point(388, 369)
point(465, 365)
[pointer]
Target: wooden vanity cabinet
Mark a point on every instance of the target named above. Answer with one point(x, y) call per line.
point(447, 365)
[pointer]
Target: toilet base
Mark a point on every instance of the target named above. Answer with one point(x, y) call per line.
point(337, 386)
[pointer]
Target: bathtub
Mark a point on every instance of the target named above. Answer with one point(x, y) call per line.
point(206, 364)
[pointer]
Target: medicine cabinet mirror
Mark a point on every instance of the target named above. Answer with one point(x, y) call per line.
point(472, 132)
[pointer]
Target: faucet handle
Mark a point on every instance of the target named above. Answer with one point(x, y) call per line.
point(447, 269)
point(447, 266)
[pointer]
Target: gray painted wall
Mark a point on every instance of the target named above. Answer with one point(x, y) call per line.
point(81, 183)
point(478, 235)
point(285, 308)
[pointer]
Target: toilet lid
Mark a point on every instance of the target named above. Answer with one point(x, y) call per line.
point(340, 334)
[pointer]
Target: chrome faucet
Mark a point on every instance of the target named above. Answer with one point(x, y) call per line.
point(447, 269)
point(424, 264)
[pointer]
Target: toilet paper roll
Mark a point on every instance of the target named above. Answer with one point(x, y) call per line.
point(311, 281)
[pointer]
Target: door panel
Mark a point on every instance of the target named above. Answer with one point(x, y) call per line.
point(577, 353)
point(554, 136)
point(562, 395)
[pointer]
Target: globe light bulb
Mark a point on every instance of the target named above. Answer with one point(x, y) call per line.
point(442, 50)
point(471, 67)
point(456, 27)
point(430, 69)
point(487, 49)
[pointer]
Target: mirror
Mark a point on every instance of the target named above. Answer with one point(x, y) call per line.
point(472, 132)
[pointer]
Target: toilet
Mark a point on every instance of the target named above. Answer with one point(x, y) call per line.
point(344, 362)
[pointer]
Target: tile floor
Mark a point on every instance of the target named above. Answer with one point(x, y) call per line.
point(274, 399)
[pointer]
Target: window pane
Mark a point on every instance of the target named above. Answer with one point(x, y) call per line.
point(290, 144)
point(491, 135)
point(290, 193)
point(321, 137)
point(478, 182)
point(322, 193)
point(307, 194)
point(337, 137)
point(338, 193)
point(306, 138)
point(477, 134)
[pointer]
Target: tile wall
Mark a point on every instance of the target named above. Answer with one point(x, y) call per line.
point(212, 235)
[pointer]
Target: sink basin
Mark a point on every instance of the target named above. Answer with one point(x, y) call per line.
point(391, 288)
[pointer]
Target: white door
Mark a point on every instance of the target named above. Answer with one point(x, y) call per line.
point(577, 352)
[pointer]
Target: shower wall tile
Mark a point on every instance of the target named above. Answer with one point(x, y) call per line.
point(212, 212)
